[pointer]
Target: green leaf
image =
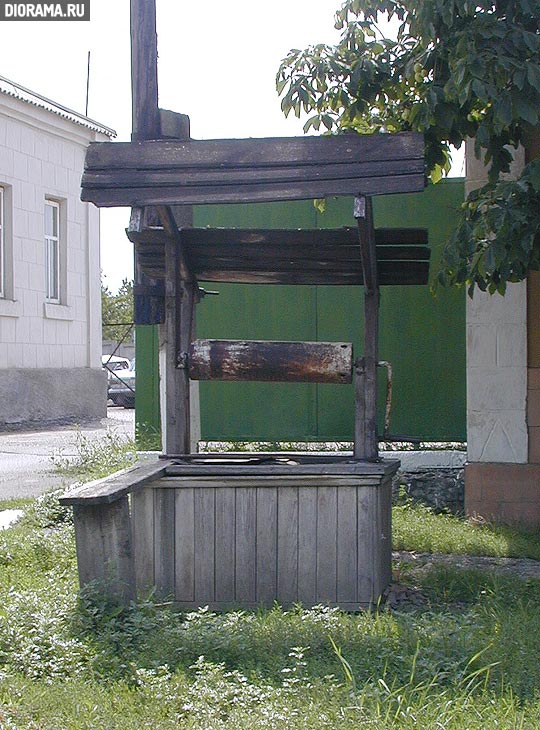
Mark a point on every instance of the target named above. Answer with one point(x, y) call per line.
point(504, 109)
point(436, 174)
point(533, 75)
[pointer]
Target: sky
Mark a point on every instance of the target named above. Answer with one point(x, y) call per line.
point(217, 63)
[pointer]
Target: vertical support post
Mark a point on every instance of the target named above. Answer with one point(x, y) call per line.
point(177, 333)
point(181, 289)
point(366, 439)
point(145, 124)
point(144, 80)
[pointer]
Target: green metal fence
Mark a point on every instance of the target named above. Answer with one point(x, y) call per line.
point(421, 335)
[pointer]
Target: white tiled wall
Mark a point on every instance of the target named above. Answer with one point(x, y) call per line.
point(42, 155)
point(496, 362)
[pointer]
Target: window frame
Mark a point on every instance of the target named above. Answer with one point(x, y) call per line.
point(52, 243)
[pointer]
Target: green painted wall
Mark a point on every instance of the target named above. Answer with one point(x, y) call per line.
point(422, 336)
point(147, 420)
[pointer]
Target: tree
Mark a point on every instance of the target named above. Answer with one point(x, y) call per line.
point(117, 312)
point(457, 69)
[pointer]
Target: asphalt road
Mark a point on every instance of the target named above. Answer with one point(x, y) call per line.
point(26, 467)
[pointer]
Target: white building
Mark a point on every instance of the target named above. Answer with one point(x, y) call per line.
point(50, 303)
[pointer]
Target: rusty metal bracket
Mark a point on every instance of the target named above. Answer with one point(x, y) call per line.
point(182, 361)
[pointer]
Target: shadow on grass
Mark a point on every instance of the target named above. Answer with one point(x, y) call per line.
point(472, 621)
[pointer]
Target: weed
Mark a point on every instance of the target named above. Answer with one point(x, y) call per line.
point(96, 458)
point(83, 662)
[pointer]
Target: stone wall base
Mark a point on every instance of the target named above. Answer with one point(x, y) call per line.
point(508, 493)
point(41, 397)
point(440, 489)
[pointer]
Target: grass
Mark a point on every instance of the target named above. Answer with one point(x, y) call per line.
point(418, 528)
point(468, 659)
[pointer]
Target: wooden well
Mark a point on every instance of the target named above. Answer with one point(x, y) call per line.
point(243, 530)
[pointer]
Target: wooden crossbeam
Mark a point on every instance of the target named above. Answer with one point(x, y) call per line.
point(249, 170)
point(324, 256)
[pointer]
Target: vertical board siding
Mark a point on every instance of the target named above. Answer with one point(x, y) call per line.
point(347, 544)
point(225, 544)
point(385, 516)
point(307, 545)
point(204, 521)
point(367, 529)
point(326, 544)
point(142, 522)
point(164, 529)
point(266, 588)
point(252, 545)
point(185, 544)
point(246, 532)
point(287, 557)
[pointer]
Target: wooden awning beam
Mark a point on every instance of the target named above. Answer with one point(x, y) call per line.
point(170, 172)
point(320, 256)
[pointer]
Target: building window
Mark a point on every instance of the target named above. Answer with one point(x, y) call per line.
point(52, 250)
point(2, 247)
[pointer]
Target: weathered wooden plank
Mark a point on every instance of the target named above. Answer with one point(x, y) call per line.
point(321, 362)
point(407, 276)
point(142, 525)
point(269, 238)
point(225, 531)
point(251, 193)
point(326, 544)
point(217, 482)
point(280, 257)
point(267, 531)
point(389, 264)
point(115, 486)
point(119, 177)
point(347, 545)
point(287, 558)
point(164, 542)
point(307, 546)
point(393, 269)
point(104, 547)
point(265, 238)
point(204, 544)
point(255, 152)
point(246, 564)
point(184, 536)
point(367, 535)
point(384, 535)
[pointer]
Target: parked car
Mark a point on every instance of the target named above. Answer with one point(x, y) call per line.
point(122, 387)
point(114, 364)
